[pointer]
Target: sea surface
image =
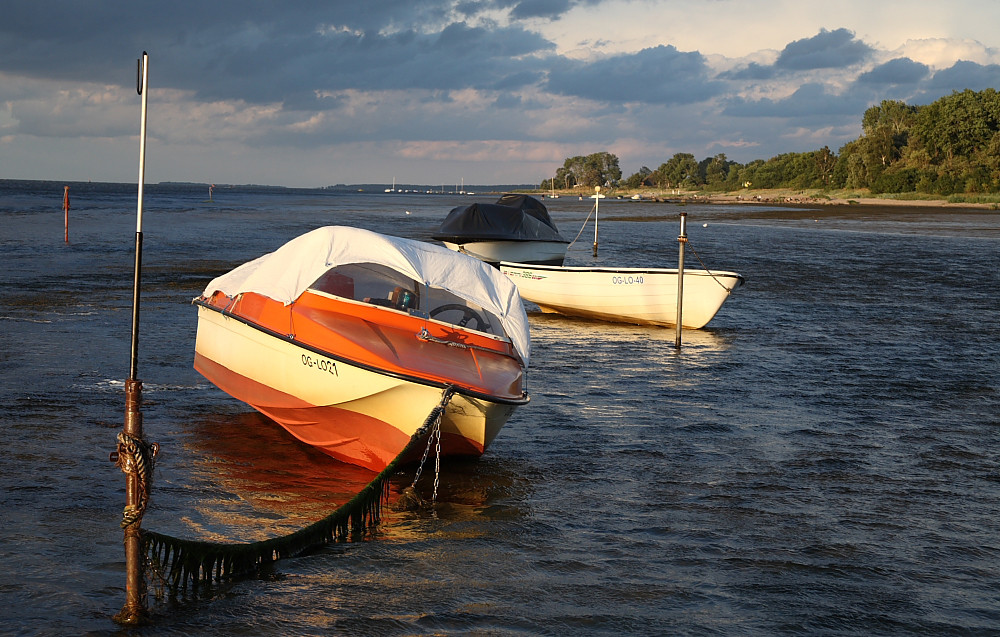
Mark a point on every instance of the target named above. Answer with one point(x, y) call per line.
point(822, 459)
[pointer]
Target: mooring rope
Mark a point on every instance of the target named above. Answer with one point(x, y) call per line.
point(135, 457)
point(583, 226)
point(178, 562)
point(710, 273)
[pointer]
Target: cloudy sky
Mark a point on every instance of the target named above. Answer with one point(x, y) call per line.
point(319, 92)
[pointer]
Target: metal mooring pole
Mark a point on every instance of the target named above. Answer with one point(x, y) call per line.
point(131, 455)
point(681, 240)
point(597, 210)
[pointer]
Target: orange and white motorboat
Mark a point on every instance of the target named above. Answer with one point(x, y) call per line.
point(349, 338)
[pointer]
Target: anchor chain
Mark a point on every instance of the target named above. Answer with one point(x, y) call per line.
point(434, 440)
point(135, 457)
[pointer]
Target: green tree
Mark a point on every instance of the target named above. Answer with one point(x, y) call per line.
point(826, 161)
point(886, 129)
point(638, 179)
point(714, 171)
point(680, 171)
point(597, 169)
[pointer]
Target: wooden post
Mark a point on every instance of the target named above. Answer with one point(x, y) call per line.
point(681, 240)
point(66, 213)
point(134, 610)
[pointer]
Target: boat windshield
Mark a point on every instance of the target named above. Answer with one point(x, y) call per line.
point(380, 285)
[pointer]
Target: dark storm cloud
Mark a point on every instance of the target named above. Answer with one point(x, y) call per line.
point(752, 71)
point(825, 50)
point(659, 75)
point(809, 102)
point(965, 75)
point(895, 72)
point(540, 8)
point(262, 52)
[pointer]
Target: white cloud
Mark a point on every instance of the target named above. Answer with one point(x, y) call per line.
point(941, 53)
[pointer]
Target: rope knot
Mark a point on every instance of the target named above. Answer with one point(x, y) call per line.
point(135, 457)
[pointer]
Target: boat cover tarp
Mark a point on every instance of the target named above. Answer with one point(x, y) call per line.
point(528, 205)
point(283, 275)
point(512, 218)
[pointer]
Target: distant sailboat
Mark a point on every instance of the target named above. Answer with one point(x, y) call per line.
point(393, 189)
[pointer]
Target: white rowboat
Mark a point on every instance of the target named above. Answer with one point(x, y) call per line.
point(624, 295)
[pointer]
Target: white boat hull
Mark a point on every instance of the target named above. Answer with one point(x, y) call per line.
point(627, 295)
point(533, 252)
point(352, 413)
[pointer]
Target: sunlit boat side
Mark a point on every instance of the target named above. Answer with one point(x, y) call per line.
point(348, 339)
point(625, 295)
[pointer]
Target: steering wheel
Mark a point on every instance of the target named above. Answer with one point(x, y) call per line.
point(468, 314)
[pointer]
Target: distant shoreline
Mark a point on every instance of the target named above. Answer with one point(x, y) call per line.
point(782, 198)
point(776, 197)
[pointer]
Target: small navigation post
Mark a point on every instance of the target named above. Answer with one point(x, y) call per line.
point(597, 205)
point(66, 213)
point(681, 240)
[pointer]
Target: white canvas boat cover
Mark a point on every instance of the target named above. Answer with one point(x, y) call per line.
point(283, 275)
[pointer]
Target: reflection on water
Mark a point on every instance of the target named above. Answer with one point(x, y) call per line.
point(821, 459)
point(249, 480)
point(241, 477)
point(546, 327)
point(605, 358)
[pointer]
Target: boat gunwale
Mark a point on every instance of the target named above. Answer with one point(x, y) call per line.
point(201, 302)
point(620, 270)
point(500, 338)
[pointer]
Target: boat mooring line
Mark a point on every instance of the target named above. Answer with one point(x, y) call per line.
point(135, 457)
point(729, 291)
point(434, 438)
point(583, 227)
point(178, 563)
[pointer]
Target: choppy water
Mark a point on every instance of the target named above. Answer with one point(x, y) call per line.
point(822, 459)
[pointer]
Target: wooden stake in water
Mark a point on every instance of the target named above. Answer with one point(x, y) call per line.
point(134, 611)
point(681, 240)
point(66, 213)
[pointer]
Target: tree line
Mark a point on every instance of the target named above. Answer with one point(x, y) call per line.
point(947, 147)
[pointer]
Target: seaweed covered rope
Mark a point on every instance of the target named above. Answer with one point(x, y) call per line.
point(178, 562)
